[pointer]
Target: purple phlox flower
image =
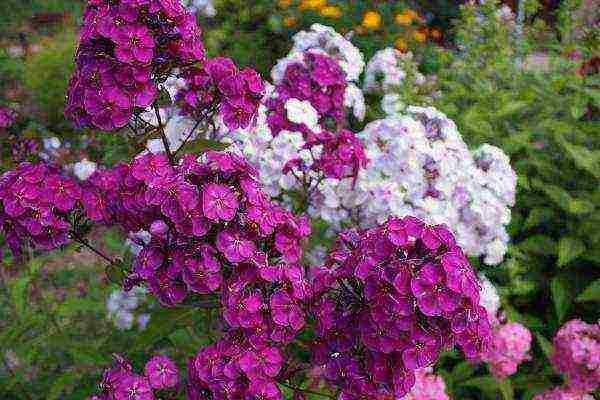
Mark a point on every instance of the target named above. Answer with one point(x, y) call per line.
point(234, 245)
point(169, 291)
point(134, 44)
point(134, 387)
point(422, 351)
point(150, 166)
point(219, 202)
point(263, 363)
point(285, 311)
point(245, 311)
point(433, 297)
point(63, 193)
point(162, 372)
point(203, 275)
point(148, 261)
point(459, 274)
point(110, 109)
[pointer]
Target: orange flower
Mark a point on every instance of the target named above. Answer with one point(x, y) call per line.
point(312, 4)
point(436, 33)
point(331, 12)
point(372, 20)
point(285, 4)
point(289, 22)
point(401, 45)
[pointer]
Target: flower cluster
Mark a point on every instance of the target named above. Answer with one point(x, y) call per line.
point(122, 383)
point(234, 368)
point(203, 7)
point(577, 355)
point(309, 76)
point(219, 83)
point(388, 69)
point(510, 346)
point(7, 117)
point(326, 40)
point(396, 76)
point(419, 165)
point(126, 49)
point(387, 300)
point(428, 386)
point(38, 204)
point(121, 306)
point(563, 394)
point(205, 219)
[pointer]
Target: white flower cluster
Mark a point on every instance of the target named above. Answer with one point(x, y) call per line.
point(177, 127)
point(489, 298)
point(270, 154)
point(420, 166)
point(202, 7)
point(121, 307)
point(84, 169)
point(387, 73)
point(326, 40)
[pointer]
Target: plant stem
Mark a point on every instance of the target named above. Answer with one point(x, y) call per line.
point(189, 135)
point(84, 242)
point(165, 141)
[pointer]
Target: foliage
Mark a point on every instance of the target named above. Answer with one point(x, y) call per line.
point(544, 114)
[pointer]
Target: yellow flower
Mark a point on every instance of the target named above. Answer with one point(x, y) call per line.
point(401, 44)
point(372, 20)
point(406, 18)
point(285, 4)
point(289, 22)
point(420, 37)
point(331, 11)
point(312, 4)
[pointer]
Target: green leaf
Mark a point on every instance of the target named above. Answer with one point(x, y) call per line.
point(486, 384)
point(201, 145)
point(19, 294)
point(538, 216)
point(75, 305)
point(569, 249)
point(560, 296)
point(161, 325)
point(590, 293)
point(60, 383)
point(462, 371)
point(506, 389)
point(545, 345)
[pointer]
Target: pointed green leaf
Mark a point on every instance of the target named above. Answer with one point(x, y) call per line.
point(590, 293)
point(545, 345)
point(569, 249)
point(560, 296)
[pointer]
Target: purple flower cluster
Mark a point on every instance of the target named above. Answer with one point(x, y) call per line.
point(219, 82)
point(388, 300)
point(7, 117)
point(121, 383)
point(318, 79)
point(342, 156)
point(577, 354)
point(212, 230)
point(126, 47)
point(235, 368)
point(37, 202)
